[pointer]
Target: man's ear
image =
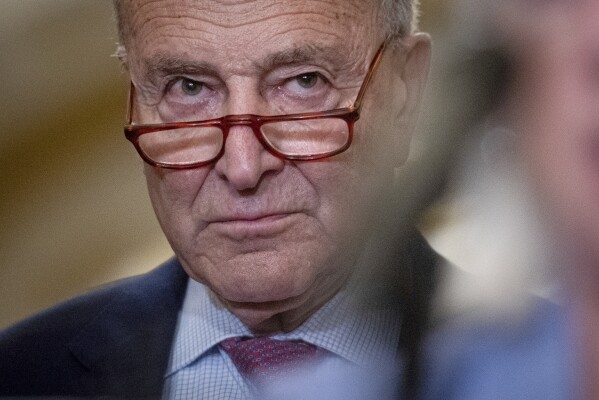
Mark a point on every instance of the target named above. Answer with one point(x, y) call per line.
point(121, 54)
point(413, 64)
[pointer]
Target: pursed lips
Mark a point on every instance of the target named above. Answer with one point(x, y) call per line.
point(250, 217)
point(244, 226)
point(252, 211)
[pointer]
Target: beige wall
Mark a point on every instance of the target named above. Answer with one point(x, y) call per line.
point(73, 207)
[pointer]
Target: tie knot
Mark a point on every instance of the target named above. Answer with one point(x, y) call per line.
point(262, 357)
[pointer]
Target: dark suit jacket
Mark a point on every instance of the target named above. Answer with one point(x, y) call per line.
point(112, 342)
point(116, 341)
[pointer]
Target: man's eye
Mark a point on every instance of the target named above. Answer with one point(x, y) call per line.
point(307, 80)
point(191, 87)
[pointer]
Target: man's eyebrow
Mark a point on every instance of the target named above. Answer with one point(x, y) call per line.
point(304, 54)
point(160, 65)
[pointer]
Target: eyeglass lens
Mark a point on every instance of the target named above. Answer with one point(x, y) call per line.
point(199, 144)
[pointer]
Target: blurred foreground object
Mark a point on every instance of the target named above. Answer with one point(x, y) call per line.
point(529, 197)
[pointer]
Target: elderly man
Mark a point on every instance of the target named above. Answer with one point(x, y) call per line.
point(270, 132)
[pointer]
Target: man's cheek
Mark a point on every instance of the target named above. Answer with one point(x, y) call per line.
point(174, 195)
point(175, 186)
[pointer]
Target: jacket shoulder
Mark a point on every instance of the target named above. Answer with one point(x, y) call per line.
point(58, 351)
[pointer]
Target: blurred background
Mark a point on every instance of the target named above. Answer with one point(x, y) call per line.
point(73, 207)
point(74, 212)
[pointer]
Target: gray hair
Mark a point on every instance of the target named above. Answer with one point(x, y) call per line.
point(400, 17)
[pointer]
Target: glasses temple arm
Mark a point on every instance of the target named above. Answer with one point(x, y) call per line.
point(371, 68)
point(130, 105)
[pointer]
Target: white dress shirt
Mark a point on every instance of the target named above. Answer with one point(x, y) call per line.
point(361, 360)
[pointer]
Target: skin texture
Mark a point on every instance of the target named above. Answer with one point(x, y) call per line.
point(274, 239)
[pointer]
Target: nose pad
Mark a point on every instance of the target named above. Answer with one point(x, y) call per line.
point(245, 160)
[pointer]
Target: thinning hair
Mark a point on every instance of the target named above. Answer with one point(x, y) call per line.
point(398, 18)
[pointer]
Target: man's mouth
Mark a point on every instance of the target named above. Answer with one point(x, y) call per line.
point(248, 225)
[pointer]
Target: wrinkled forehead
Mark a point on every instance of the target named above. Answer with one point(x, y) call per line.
point(248, 27)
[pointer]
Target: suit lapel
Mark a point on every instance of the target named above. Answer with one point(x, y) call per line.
point(126, 347)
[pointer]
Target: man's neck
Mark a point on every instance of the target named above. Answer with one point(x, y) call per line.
point(267, 318)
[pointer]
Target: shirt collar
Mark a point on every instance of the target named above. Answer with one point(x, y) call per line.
point(348, 329)
point(342, 326)
point(203, 323)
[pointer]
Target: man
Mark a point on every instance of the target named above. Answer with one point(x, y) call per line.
point(305, 109)
point(543, 349)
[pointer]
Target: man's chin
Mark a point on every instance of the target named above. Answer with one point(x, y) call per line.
point(258, 293)
point(261, 286)
point(260, 277)
point(270, 315)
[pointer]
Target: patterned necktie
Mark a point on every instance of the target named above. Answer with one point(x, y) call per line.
point(258, 359)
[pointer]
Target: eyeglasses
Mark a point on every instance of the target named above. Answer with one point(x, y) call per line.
point(301, 136)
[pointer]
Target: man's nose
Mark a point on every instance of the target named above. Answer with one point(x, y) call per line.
point(245, 159)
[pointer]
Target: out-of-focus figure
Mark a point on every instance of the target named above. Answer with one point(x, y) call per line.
point(539, 169)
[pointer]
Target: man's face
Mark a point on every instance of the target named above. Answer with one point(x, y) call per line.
point(267, 235)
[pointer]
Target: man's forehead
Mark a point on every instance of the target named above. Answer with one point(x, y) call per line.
point(221, 16)
point(174, 34)
point(251, 6)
